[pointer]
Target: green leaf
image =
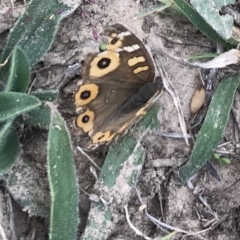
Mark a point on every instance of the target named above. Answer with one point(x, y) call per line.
point(62, 180)
point(125, 149)
point(170, 4)
point(9, 146)
point(117, 155)
point(19, 72)
point(213, 127)
point(224, 161)
point(47, 95)
point(118, 176)
point(39, 117)
point(157, 8)
point(200, 23)
point(35, 30)
point(13, 104)
point(216, 156)
point(210, 12)
point(203, 56)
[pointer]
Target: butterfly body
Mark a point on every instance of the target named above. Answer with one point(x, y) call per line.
point(117, 86)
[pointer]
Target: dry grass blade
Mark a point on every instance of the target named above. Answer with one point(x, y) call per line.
point(134, 228)
point(2, 233)
point(170, 88)
point(88, 157)
point(223, 60)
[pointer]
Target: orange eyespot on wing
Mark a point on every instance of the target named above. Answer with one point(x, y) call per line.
point(104, 63)
point(86, 94)
point(85, 120)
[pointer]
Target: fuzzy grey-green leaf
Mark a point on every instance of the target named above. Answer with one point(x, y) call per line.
point(63, 181)
point(47, 95)
point(9, 146)
point(35, 30)
point(39, 117)
point(13, 104)
point(19, 72)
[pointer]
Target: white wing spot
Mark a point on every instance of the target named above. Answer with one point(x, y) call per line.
point(131, 48)
point(123, 34)
point(118, 50)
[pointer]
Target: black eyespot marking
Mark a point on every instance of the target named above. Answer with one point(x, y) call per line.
point(85, 94)
point(85, 118)
point(114, 41)
point(101, 137)
point(103, 63)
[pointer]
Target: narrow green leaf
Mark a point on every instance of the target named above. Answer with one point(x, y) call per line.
point(9, 146)
point(213, 127)
point(172, 5)
point(35, 30)
point(200, 23)
point(210, 11)
point(13, 104)
point(117, 155)
point(47, 95)
point(62, 180)
point(119, 174)
point(203, 56)
point(125, 148)
point(19, 72)
point(156, 8)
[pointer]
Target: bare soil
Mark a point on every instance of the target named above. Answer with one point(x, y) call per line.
point(182, 208)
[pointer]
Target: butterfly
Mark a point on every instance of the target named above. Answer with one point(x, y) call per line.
point(118, 85)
